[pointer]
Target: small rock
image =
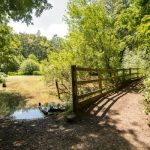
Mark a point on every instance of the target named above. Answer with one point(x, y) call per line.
point(4, 85)
point(71, 118)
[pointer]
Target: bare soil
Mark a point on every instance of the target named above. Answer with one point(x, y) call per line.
point(115, 122)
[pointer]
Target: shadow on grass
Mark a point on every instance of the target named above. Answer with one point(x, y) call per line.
point(89, 132)
point(9, 102)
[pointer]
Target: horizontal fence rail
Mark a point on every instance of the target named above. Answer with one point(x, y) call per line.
point(89, 84)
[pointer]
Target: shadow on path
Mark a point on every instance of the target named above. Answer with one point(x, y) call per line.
point(89, 132)
point(105, 103)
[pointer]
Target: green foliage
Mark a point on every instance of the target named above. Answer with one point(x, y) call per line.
point(13, 65)
point(28, 66)
point(134, 59)
point(92, 34)
point(34, 44)
point(132, 25)
point(17, 10)
point(9, 51)
point(147, 95)
point(2, 77)
point(36, 73)
point(33, 57)
point(58, 66)
point(12, 73)
point(9, 102)
point(143, 35)
point(22, 10)
point(57, 42)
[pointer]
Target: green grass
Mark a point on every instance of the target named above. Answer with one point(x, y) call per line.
point(32, 88)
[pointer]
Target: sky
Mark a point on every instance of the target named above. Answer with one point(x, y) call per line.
point(51, 22)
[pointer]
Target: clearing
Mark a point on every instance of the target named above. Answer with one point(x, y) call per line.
point(22, 95)
point(115, 122)
point(33, 88)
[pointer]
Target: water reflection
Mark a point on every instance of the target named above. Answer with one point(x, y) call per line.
point(32, 113)
point(13, 105)
point(10, 102)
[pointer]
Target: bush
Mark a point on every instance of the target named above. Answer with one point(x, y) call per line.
point(37, 73)
point(133, 59)
point(2, 77)
point(29, 66)
point(58, 68)
point(147, 94)
point(20, 73)
point(12, 73)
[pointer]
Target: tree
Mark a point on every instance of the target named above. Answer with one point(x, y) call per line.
point(57, 42)
point(132, 27)
point(34, 44)
point(22, 10)
point(92, 33)
point(17, 10)
point(9, 49)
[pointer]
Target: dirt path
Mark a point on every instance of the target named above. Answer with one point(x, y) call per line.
point(116, 122)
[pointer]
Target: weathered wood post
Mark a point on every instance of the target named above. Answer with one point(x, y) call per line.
point(74, 87)
point(57, 89)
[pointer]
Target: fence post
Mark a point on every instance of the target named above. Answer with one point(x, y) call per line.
point(100, 82)
point(57, 89)
point(74, 87)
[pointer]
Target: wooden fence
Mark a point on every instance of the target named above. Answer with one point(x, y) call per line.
point(90, 84)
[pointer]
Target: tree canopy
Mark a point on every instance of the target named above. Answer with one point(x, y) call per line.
point(10, 44)
point(22, 10)
point(35, 44)
point(9, 47)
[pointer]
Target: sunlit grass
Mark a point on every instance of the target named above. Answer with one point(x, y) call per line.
point(33, 88)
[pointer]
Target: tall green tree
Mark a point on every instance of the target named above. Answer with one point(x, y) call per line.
point(57, 42)
point(35, 44)
point(17, 10)
point(92, 33)
point(9, 49)
point(132, 27)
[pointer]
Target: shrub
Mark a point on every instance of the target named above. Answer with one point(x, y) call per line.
point(20, 73)
point(37, 73)
point(33, 57)
point(29, 66)
point(58, 67)
point(2, 77)
point(12, 73)
point(134, 59)
point(147, 94)
point(3, 74)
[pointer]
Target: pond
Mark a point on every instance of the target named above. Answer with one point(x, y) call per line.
point(27, 114)
point(13, 106)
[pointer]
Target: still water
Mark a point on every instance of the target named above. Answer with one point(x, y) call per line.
point(27, 114)
point(13, 106)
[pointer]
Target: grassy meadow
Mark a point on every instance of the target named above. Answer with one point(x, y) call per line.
point(32, 88)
